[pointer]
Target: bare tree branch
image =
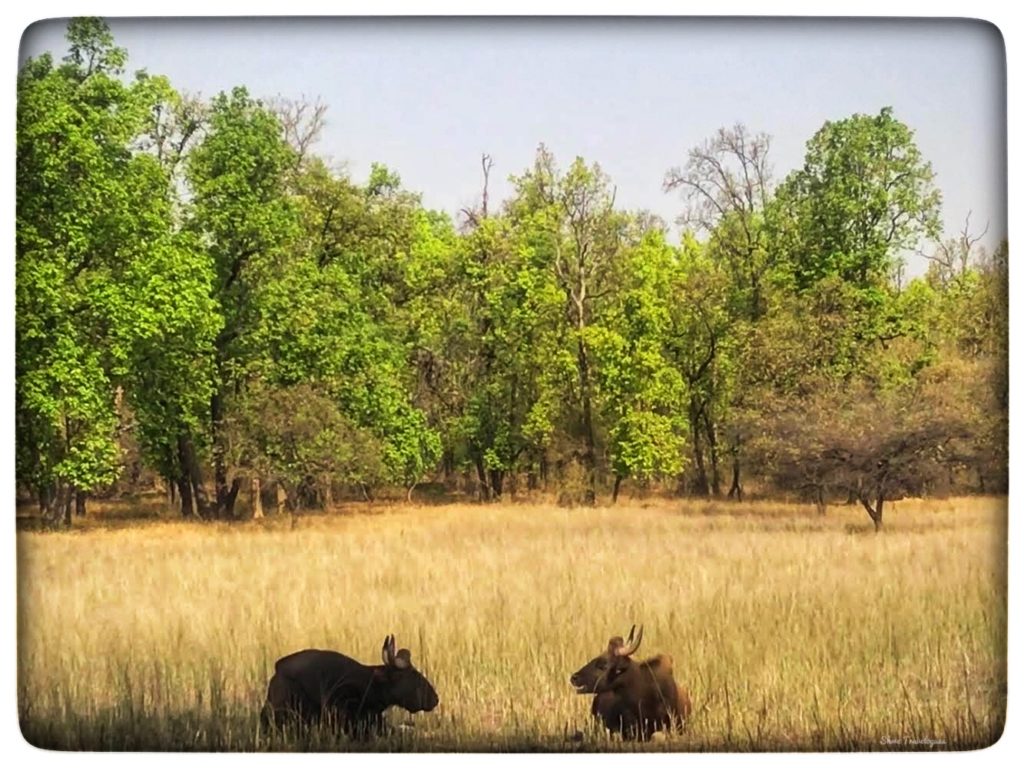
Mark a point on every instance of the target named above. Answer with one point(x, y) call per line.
point(474, 216)
point(301, 120)
point(954, 256)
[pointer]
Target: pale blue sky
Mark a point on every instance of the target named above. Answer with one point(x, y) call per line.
point(427, 97)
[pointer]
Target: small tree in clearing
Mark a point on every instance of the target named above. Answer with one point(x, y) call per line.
point(878, 445)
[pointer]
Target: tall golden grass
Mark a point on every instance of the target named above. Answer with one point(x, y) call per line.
point(792, 631)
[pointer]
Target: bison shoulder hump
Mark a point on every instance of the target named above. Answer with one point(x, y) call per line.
point(662, 662)
point(300, 660)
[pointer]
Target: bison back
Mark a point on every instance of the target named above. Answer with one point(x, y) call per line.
point(302, 662)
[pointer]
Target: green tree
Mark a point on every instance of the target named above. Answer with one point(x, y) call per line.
point(242, 214)
point(639, 388)
point(171, 372)
point(93, 210)
point(863, 196)
point(512, 308)
point(838, 228)
point(580, 234)
point(700, 344)
point(727, 185)
point(318, 326)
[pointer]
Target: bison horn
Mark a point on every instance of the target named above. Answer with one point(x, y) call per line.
point(387, 653)
point(630, 647)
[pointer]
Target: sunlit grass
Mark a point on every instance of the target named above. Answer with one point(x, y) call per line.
point(792, 630)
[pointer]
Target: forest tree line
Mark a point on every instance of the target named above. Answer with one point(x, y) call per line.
point(197, 289)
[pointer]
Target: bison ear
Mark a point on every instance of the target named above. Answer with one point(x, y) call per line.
point(615, 643)
point(403, 659)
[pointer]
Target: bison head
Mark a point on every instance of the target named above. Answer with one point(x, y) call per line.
point(408, 687)
point(596, 675)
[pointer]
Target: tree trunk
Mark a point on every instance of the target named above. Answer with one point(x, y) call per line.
point(255, 498)
point(736, 489)
point(51, 502)
point(329, 495)
point(220, 470)
point(819, 500)
point(306, 494)
point(590, 444)
point(709, 432)
point(66, 494)
point(716, 479)
point(228, 508)
point(80, 497)
point(481, 473)
point(196, 495)
point(200, 499)
point(874, 512)
point(448, 466)
point(45, 501)
point(367, 496)
point(497, 483)
point(615, 488)
point(282, 496)
point(854, 493)
point(225, 495)
point(185, 494)
point(755, 296)
point(700, 482)
point(408, 495)
point(532, 479)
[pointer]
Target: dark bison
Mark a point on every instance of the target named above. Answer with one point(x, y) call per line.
point(631, 698)
point(314, 686)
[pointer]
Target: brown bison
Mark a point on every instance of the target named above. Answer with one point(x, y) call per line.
point(314, 686)
point(631, 698)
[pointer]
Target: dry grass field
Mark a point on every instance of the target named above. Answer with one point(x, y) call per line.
point(792, 631)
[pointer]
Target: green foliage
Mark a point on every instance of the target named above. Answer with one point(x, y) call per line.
point(863, 196)
point(186, 274)
point(93, 220)
point(239, 206)
point(171, 372)
point(510, 306)
point(640, 389)
point(315, 322)
point(91, 47)
point(290, 434)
